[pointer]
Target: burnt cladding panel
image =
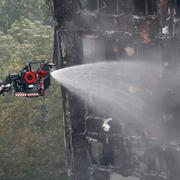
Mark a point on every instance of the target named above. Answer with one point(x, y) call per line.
point(77, 113)
point(81, 160)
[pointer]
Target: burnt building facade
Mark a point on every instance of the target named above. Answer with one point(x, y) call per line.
point(89, 31)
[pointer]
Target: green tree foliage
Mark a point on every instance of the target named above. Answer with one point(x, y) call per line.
point(25, 40)
point(31, 130)
point(11, 10)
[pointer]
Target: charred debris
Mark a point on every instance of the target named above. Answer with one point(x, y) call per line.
point(97, 146)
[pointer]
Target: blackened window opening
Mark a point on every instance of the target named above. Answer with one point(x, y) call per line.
point(139, 6)
point(145, 7)
point(152, 7)
point(178, 8)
